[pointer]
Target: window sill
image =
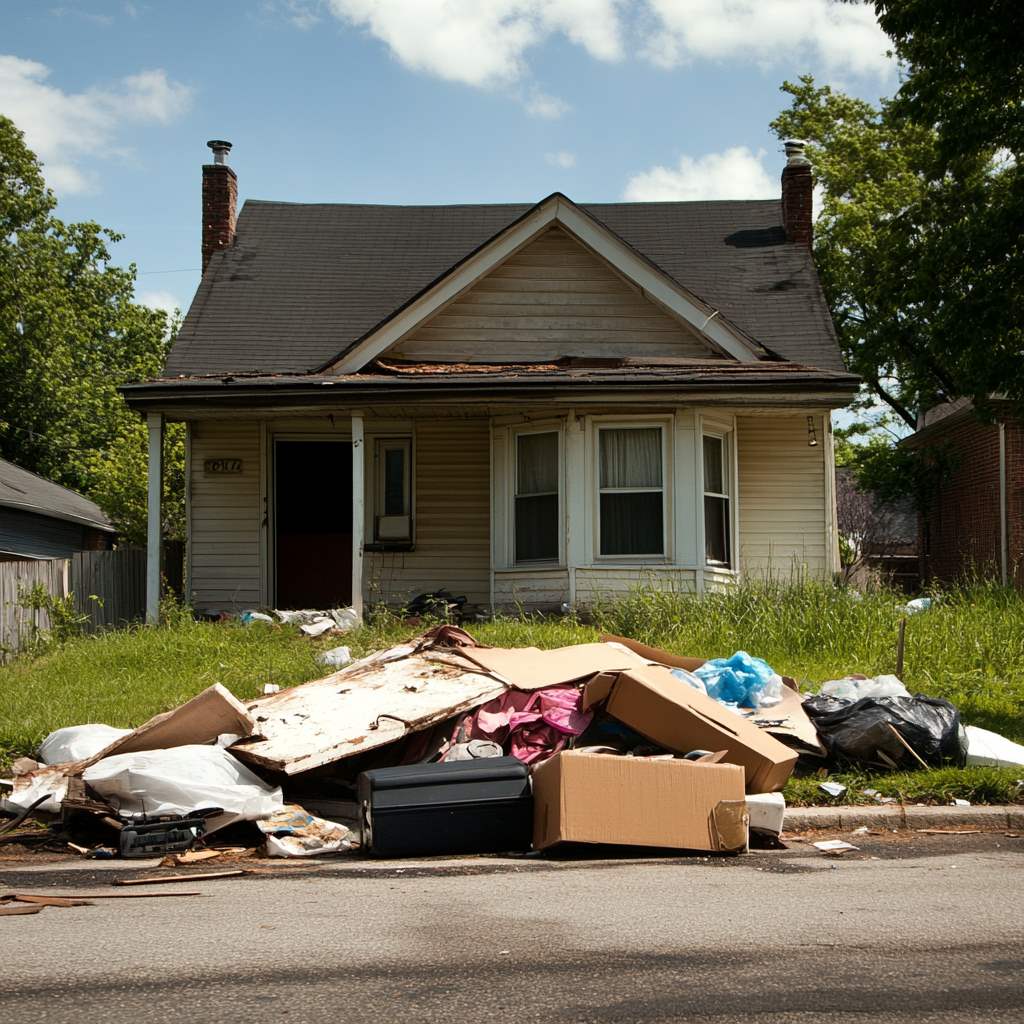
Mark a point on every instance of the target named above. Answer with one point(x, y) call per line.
point(531, 567)
point(389, 545)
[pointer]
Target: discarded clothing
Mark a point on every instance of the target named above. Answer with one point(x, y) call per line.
point(529, 726)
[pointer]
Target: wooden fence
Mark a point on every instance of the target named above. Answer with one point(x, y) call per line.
point(109, 588)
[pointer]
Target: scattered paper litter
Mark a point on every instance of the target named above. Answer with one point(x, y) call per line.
point(832, 788)
point(961, 803)
point(834, 845)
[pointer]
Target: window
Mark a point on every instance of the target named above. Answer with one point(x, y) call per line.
point(717, 519)
point(393, 509)
point(632, 493)
point(536, 497)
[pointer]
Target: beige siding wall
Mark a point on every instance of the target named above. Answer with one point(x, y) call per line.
point(225, 517)
point(782, 497)
point(452, 516)
point(552, 298)
point(543, 589)
point(594, 585)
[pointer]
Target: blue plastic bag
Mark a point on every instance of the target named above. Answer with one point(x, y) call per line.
point(739, 680)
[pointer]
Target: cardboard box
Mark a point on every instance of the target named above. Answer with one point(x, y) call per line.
point(638, 801)
point(788, 720)
point(677, 717)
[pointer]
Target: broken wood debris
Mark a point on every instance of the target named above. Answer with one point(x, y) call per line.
point(161, 879)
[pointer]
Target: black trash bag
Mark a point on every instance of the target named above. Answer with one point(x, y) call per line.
point(440, 602)
point(861, 732)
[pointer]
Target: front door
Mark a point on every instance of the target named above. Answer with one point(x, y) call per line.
point(313, 523)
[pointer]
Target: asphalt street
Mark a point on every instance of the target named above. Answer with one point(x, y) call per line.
point(934, 933)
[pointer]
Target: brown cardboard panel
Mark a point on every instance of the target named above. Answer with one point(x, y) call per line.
point(636, 801)
point(793, 721)
point(677, 717)
point(529, 668)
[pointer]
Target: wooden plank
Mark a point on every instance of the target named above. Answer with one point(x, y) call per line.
point(204, 876)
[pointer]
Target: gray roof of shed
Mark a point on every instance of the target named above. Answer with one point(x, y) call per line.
point(304, 282)
point(30, 492)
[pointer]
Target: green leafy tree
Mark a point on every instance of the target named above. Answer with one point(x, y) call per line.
point(896, 246)
point(70, 335)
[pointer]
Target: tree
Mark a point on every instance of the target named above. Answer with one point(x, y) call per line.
point(70, 334)
point(904, 254)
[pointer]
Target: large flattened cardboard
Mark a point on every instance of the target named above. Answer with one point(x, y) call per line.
point(786, 721)
point(530, 668)
point(636, 801)
point(668, 712)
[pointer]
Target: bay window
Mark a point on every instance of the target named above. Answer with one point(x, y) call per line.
point(631, 499)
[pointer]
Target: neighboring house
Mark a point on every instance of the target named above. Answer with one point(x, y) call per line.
point(880, 538)
point(529, 405)
point(41, 519)
point(974, 524)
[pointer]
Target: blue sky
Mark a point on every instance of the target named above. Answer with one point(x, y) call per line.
point(408, 101)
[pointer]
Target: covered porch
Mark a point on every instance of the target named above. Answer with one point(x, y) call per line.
point(530, 507)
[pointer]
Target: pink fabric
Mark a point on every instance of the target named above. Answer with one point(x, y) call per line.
point(530, 726)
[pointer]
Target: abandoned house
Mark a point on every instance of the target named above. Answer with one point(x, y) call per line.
point(530, 405)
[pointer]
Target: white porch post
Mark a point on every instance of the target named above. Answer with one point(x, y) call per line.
point(358, 514)
point(155, 424)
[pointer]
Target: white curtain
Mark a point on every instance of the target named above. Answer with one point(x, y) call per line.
point(631, 457)
point(537, 463)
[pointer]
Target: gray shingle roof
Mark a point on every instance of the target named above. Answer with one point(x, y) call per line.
point(304, 282)
point(23, 490)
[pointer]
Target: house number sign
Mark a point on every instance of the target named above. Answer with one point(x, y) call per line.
point(222, 466)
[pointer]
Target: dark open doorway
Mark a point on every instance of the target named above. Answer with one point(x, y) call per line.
point(313, 523)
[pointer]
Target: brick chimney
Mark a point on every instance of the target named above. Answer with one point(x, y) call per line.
point(220, 194)
point(797, 186)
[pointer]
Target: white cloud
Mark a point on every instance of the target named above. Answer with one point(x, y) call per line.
point(63, 128)
point(843, 36)
point(540, 104)
point(563, 158)
point(736, 173)
point(159, 299)
point(483, 43)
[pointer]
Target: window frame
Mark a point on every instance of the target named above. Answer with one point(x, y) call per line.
point(662, 424)
point(381, 445)
point(515, 433)
point(726, 438)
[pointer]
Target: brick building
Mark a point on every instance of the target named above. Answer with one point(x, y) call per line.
point(975, 524)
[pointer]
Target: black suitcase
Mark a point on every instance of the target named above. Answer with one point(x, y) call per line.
point(479, 806)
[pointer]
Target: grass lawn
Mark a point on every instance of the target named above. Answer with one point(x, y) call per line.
point(969, 648)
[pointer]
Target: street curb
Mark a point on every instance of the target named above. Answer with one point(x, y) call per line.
point(845, 818)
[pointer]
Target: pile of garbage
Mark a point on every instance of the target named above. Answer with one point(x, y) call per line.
point(443, 745)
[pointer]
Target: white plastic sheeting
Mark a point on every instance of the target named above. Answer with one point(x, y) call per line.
point(180, 780)
point(78, 742)
point(989, 748)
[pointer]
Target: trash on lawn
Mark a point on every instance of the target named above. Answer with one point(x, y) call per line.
point(78, 742)
point(767, 811)
point(478, 806)
point(918, 604)
point(832, 788)
point(854, 687)
point(989, 748)
point(336, 657)
point(430, 747)
point(294, 832)
point(957, 802)
point(889, 732)
point(249, 617)
point(741, 680)
point(181, 780)
point(638, 801)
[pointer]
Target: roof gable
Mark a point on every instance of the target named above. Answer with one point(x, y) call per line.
point(552, 298)
point(29, 492)
point(714, 330)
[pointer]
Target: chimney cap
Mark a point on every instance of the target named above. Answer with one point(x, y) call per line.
point(220, 150)
point(795, 152)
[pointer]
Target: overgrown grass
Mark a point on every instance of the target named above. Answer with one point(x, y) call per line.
point(969, 648)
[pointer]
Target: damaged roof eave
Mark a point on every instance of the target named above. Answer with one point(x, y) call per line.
point(201, 398)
